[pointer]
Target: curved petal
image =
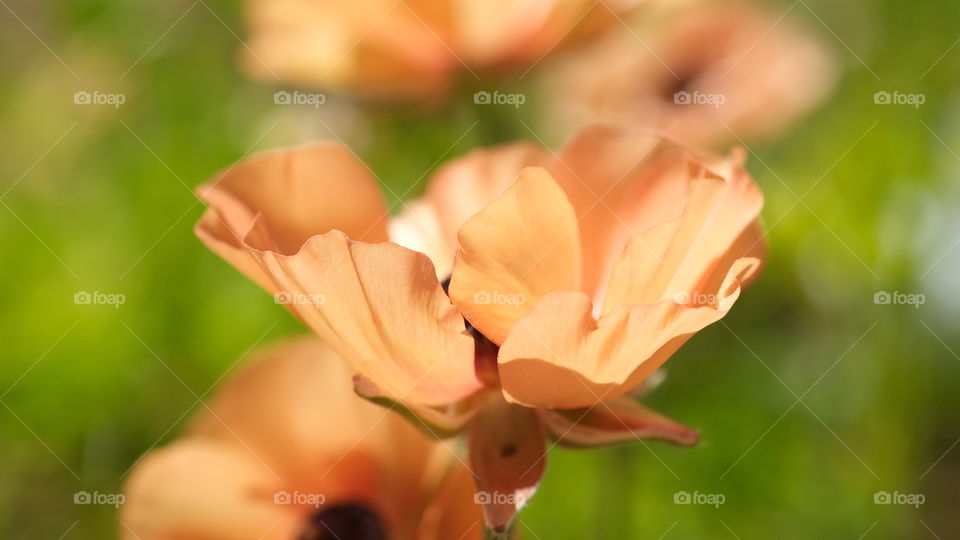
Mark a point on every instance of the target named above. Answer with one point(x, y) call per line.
point(464, 186)
point(294, 194)
point(619, 420)
point(418, 228)
point(383, 310)
point(559, 356)
point(619, 182)
point(202, 489)
point(519, 248)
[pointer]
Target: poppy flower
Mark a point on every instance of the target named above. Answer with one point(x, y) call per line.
point(287, 450)
point(705, 73)
point(409, 48)
point(525, 294)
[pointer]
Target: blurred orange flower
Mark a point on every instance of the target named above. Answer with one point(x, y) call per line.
point(287, 450)
point(704, 73)
point(394, 48)
point(572, 278)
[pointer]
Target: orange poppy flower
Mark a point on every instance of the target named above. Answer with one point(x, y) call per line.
point(705, 73)
point(287, 450)
point(571, 279)
point(410, 47)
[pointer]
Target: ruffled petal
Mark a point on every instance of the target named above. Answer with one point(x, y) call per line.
point(559, 356)
point(383, 310)
point(519, 248)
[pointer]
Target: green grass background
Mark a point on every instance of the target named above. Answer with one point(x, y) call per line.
point(98, 199)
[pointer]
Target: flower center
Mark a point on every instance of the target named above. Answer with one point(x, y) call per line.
point(342, 521)
point(485, 351)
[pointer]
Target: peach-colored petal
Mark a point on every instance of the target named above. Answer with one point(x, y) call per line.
point(619, 420)
point(418, 228)
point(381, 307)
point(464, 186)
point(620, 182)
point(507, 450)
point(453, 514)
point(677, 259)
point(198, 489)
point(298, 193)
point(519, 248)
point(559, 356)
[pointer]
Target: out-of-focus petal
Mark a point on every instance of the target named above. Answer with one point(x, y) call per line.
point(453, 512)
point(619, 420)
point(418, 228)
point(464, 186)
point(559, 356)
point(507, 449)
point(202, 489)
point(519, 248)
point(381, 307)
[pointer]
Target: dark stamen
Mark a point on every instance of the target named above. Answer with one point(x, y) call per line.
point(344, 521)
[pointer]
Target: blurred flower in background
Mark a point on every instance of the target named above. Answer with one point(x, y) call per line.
point(287, 450)
point(410, 48)
point(572, 298)
point(706, 73)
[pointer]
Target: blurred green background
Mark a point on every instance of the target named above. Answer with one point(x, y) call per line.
point(811, 398)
